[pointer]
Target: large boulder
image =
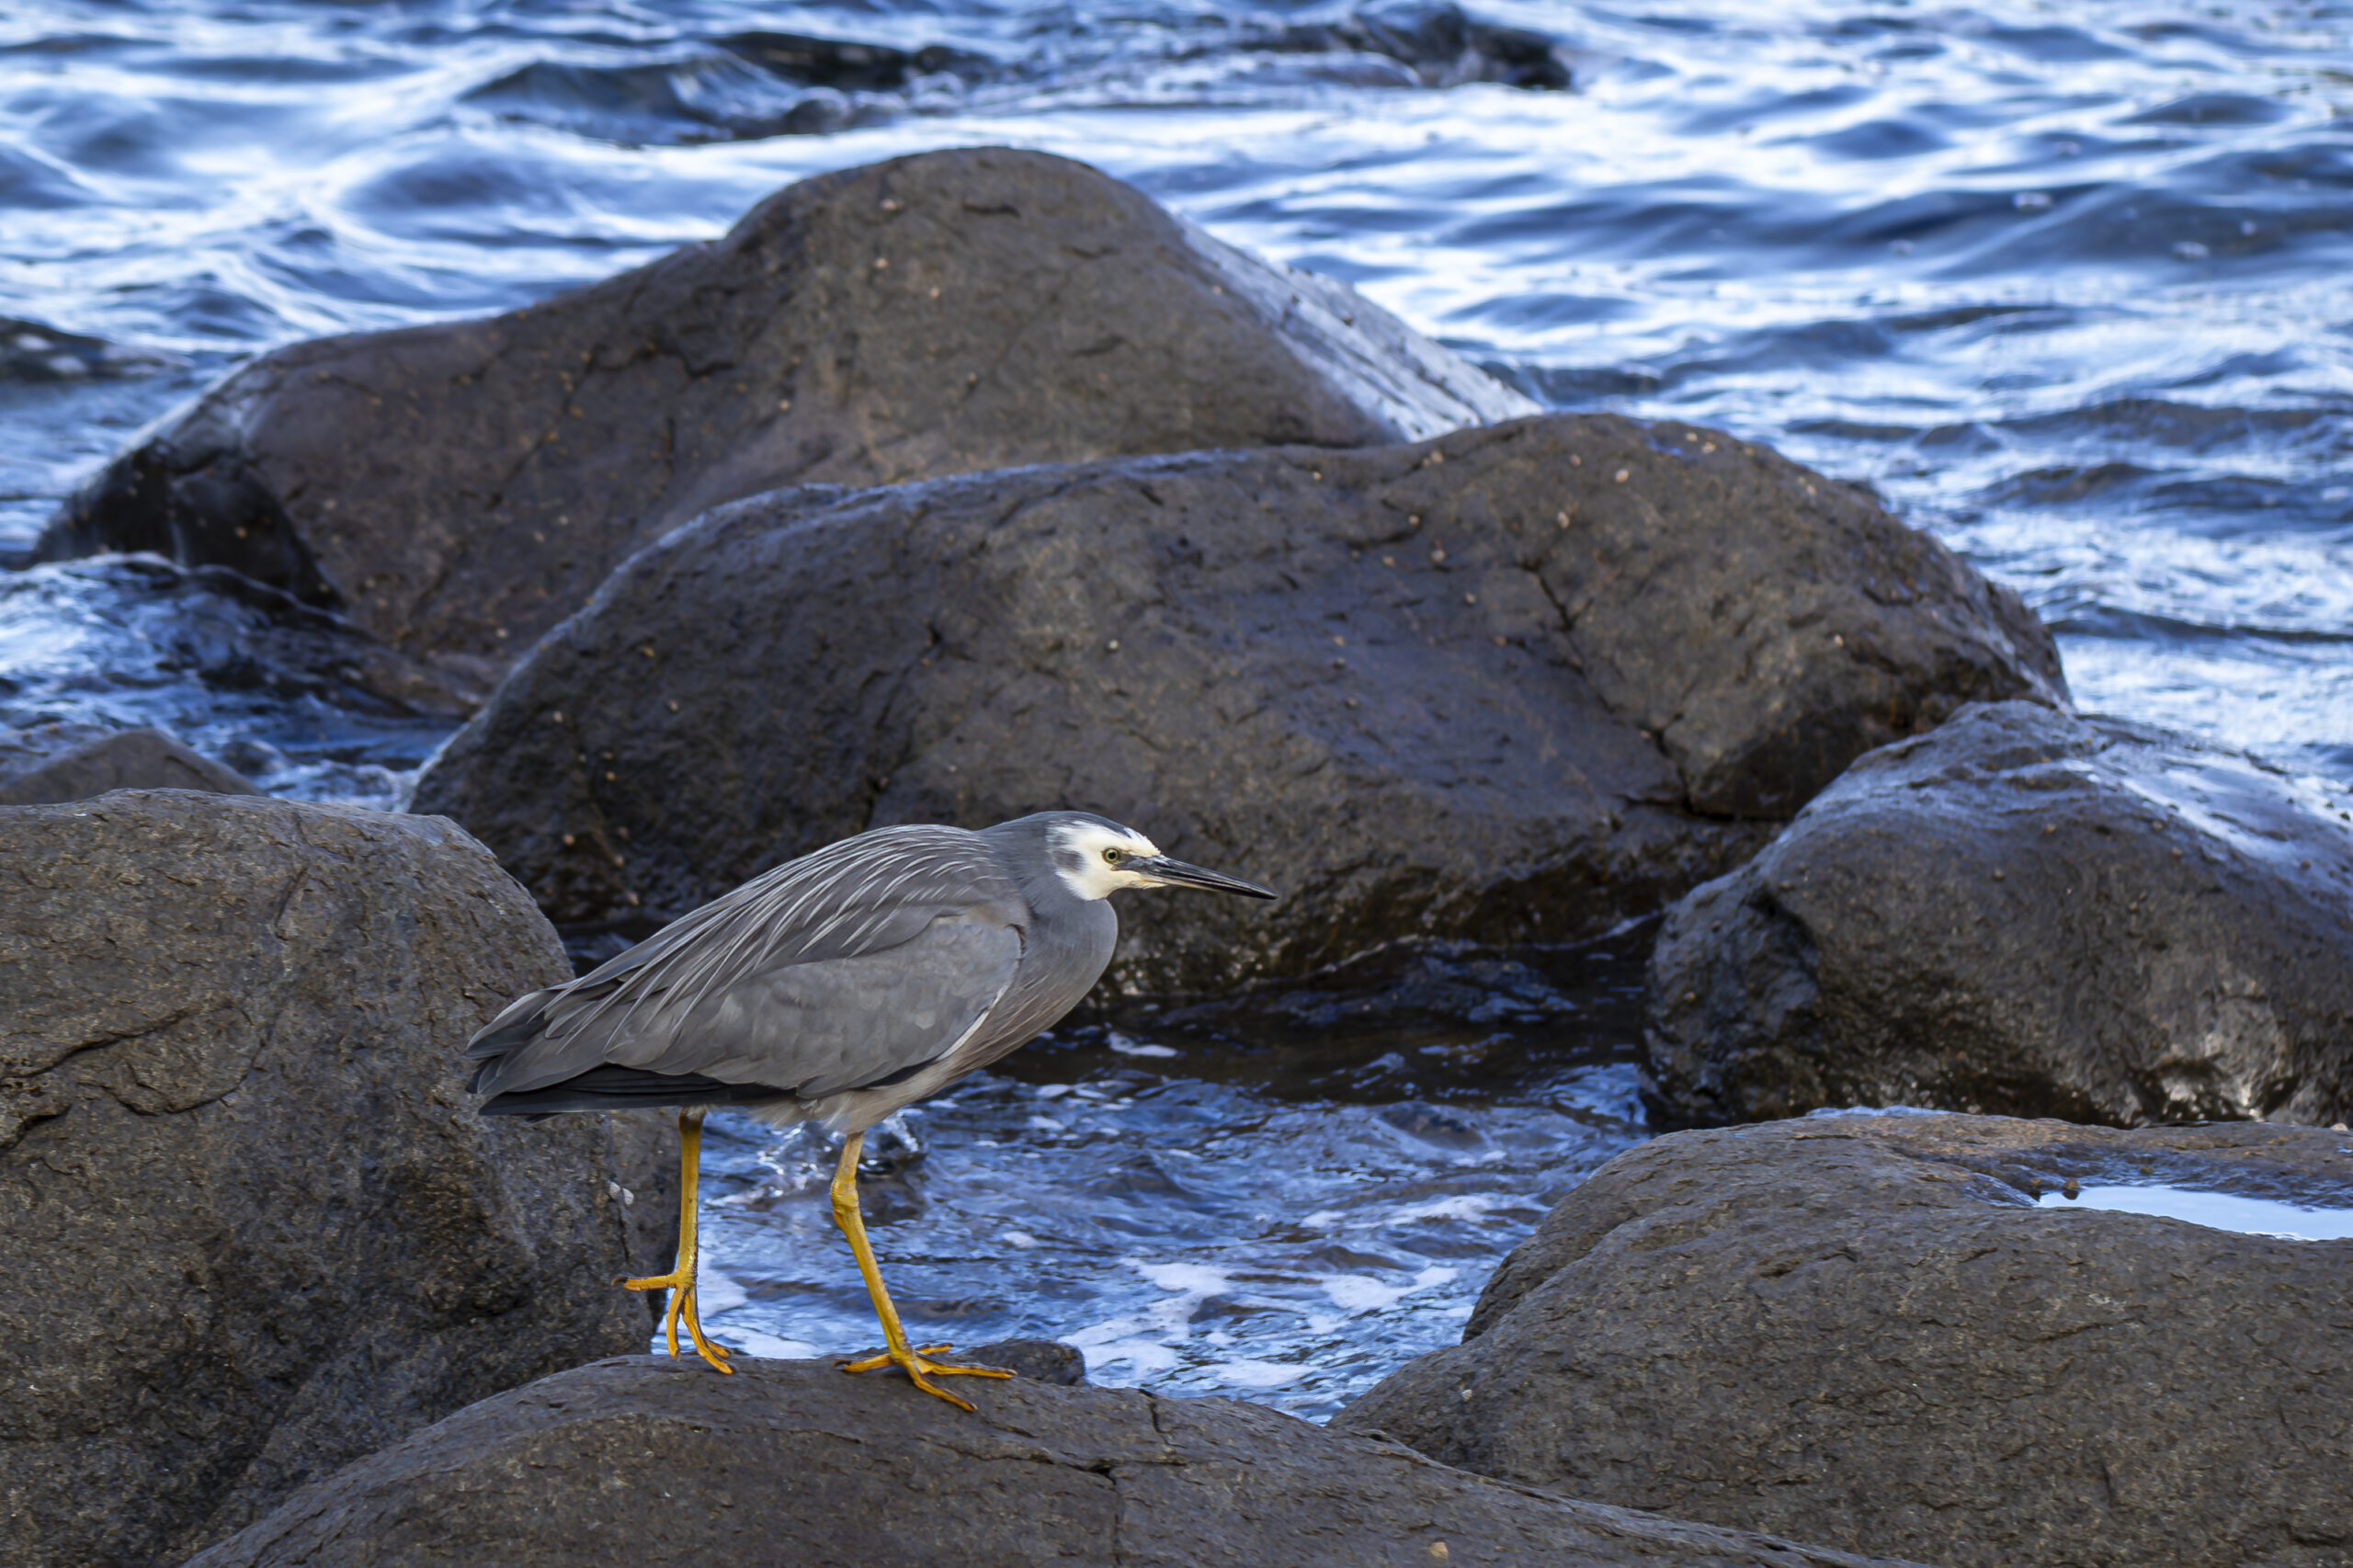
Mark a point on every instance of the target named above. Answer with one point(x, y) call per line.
point(458, 489)
point(790, 1461)
point(1517, 684)
point(2027, 914)
point(1861, 1329)
point(254, 1229)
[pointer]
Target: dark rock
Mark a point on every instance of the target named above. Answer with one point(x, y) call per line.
point(461, 488)
point(791, 1460)
point(1046, 1360)
point(1857, 1328)
point(1517, 686)
point(255, 1228)
point(130, 759)
point(2027, 914)
point(1441, 46)
point(34, 352)
point(749, 86)
point(848, 65)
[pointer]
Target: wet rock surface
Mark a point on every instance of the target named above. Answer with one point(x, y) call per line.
point(2029, 913)
point(256, 1230)
point(1044, 1360)
point(1438, 44)
point(458, 489)
point(686, 1466)
point(1514, 685)
point(1857, 1328)
point(133, 759)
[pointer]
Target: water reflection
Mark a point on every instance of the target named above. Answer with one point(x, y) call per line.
point(2215, 1211)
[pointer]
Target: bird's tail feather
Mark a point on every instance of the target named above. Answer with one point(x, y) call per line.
point(613, 1087)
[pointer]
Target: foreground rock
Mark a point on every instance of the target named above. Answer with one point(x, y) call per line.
point(130, 759)
point(2029, 913)
point(254, 1229)
point(1858, 1329)
point(458, 489)
point(1515, 685)
point(791, 1456)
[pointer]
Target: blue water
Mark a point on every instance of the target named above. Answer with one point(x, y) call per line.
point(2069, 286)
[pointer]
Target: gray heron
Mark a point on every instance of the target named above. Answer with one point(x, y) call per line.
point(837, 989)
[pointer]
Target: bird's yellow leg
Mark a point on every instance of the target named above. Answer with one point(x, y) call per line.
point(915, 1361)
point(680, 1280)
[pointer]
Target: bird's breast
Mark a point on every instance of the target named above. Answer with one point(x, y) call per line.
point(1061, 961)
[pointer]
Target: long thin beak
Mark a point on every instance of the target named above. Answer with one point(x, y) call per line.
point(1177, 874)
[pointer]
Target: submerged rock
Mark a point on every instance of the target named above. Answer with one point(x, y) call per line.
point(754, 85)
point(130, 640)
point(1861, 1329)
point(1438, 44)
point(1517, 685)
point(129, 759)
point(794, 1457)
point(2029, 913)
point(255, 1228)
point(35, 352)
point(458, 489)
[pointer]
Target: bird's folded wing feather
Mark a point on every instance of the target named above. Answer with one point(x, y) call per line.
point(841, 969)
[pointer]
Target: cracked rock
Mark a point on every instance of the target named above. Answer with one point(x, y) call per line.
point(791, 1460)
point(1478, 688)
point(255, 1228)
point(458, 489)
point(2026, 914)
point(1859, 1329)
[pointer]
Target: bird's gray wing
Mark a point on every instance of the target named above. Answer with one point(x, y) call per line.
point(818, 1028)
point(858, 963)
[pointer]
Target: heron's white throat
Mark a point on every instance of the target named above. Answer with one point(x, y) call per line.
point(1080, 861)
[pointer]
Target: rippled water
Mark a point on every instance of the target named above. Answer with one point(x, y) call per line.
point(1193, 1212)
point(2067, 284)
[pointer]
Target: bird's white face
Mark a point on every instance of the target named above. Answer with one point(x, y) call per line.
point(1093, 860)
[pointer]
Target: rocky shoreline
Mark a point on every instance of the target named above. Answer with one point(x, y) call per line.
point(972, 483)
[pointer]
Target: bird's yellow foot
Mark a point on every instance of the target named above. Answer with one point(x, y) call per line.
point(682, 1307)
point(917, 1362)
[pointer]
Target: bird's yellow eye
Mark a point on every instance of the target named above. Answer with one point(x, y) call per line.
point(1113, 857)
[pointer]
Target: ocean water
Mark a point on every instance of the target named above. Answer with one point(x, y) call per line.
point(2067, 285)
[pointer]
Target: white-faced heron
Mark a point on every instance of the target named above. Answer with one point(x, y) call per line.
point(836, 988)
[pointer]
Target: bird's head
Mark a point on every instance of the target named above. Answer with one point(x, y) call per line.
point(1095, 858)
